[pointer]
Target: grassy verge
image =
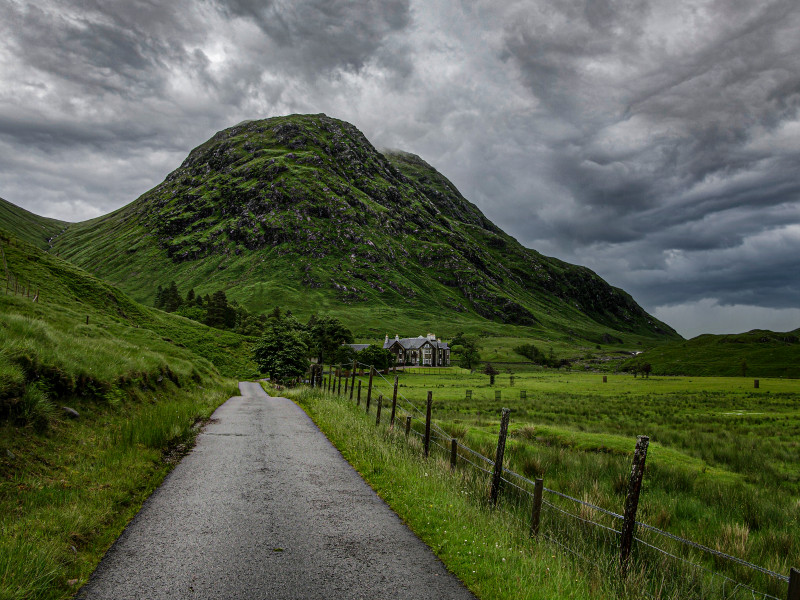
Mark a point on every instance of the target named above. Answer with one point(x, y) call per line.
point(487, 549)
point(67, 493)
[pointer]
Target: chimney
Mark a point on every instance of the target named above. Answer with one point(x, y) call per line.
point(397, 337)
point(386, 340)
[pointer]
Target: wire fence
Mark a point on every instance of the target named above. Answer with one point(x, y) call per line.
point(665, 565)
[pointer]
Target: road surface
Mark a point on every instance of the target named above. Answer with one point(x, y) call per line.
point(265, 507)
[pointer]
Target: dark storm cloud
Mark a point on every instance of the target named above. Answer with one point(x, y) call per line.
point(324, 34)
point(657, 143)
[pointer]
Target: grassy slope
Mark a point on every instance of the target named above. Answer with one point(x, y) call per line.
point(765, 353)
point(138, 377)
point(27, 226)
point(292, 211)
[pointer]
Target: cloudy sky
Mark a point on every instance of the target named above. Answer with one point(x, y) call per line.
point(657, 143)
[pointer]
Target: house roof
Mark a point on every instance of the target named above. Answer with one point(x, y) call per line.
point(357, 347)
point(415, 343)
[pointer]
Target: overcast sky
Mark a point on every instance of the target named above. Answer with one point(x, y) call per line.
point(657, 143)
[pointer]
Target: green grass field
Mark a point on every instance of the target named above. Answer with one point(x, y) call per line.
point(723, 467)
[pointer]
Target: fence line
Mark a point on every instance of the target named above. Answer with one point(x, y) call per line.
point(437, 433)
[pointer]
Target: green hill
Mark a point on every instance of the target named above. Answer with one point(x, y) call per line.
point(303, 212)
point(72, 334)
point(29, 227)
point(764, 354)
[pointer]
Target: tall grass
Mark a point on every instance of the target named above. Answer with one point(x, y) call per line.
point(682, 494)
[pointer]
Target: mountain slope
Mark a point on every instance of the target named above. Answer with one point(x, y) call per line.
point(757, 353)
point(27, 226)
point(303, 212)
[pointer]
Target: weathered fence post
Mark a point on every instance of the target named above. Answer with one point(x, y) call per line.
point(408, 425)
point(756, 383)
point(523, 395)
point(87, 319)
point(339, 392)
point(346, 381)
point(794, 585)
point(632, 501)
point(394, 402)
point(369, 386)
point(453, 453)
point(497, 474)
point(536, 510)
point(605, 378)
point(468, 395)
point(330, 378)
point(353, 379)
point(427, 445)
point(358, 401)
point(380, 405)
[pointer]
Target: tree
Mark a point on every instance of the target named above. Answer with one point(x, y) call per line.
point(282, 352)
point(219, 313)
point(491, 372)
point(646, 369)
point(376, 356)
point(344, 355)
point(171, 298)
point(465, 348)
point(326, 334)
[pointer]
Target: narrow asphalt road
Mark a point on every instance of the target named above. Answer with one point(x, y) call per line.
point(265, 507)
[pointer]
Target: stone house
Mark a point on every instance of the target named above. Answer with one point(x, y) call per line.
point(428, 351)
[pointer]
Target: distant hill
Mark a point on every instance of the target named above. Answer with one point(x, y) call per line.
point(303, 212)
point(765, 354)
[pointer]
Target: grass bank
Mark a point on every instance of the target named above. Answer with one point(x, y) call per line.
point(67, 493)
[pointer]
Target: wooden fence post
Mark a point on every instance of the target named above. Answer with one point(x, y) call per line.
point(358, 402)
point(497, 474)
point(353, 379)
point(536, 510)
point(339, 389)
point(408, 425)
point(632, 501)
point(427, 445)
point(394, 403)
point(380, 405)
point(523, 395)
point(605, 378)
point(755, 383)
point(369, 386)
point(794, 585)
point(468, 395)
point(346, 381)
point(87, 319)
point(453, 453)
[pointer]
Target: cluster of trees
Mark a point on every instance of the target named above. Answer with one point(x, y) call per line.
point(537, 357)
point(287, 346)
point(215, 310)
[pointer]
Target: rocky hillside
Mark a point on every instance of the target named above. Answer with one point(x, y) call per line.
point(303, 209)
